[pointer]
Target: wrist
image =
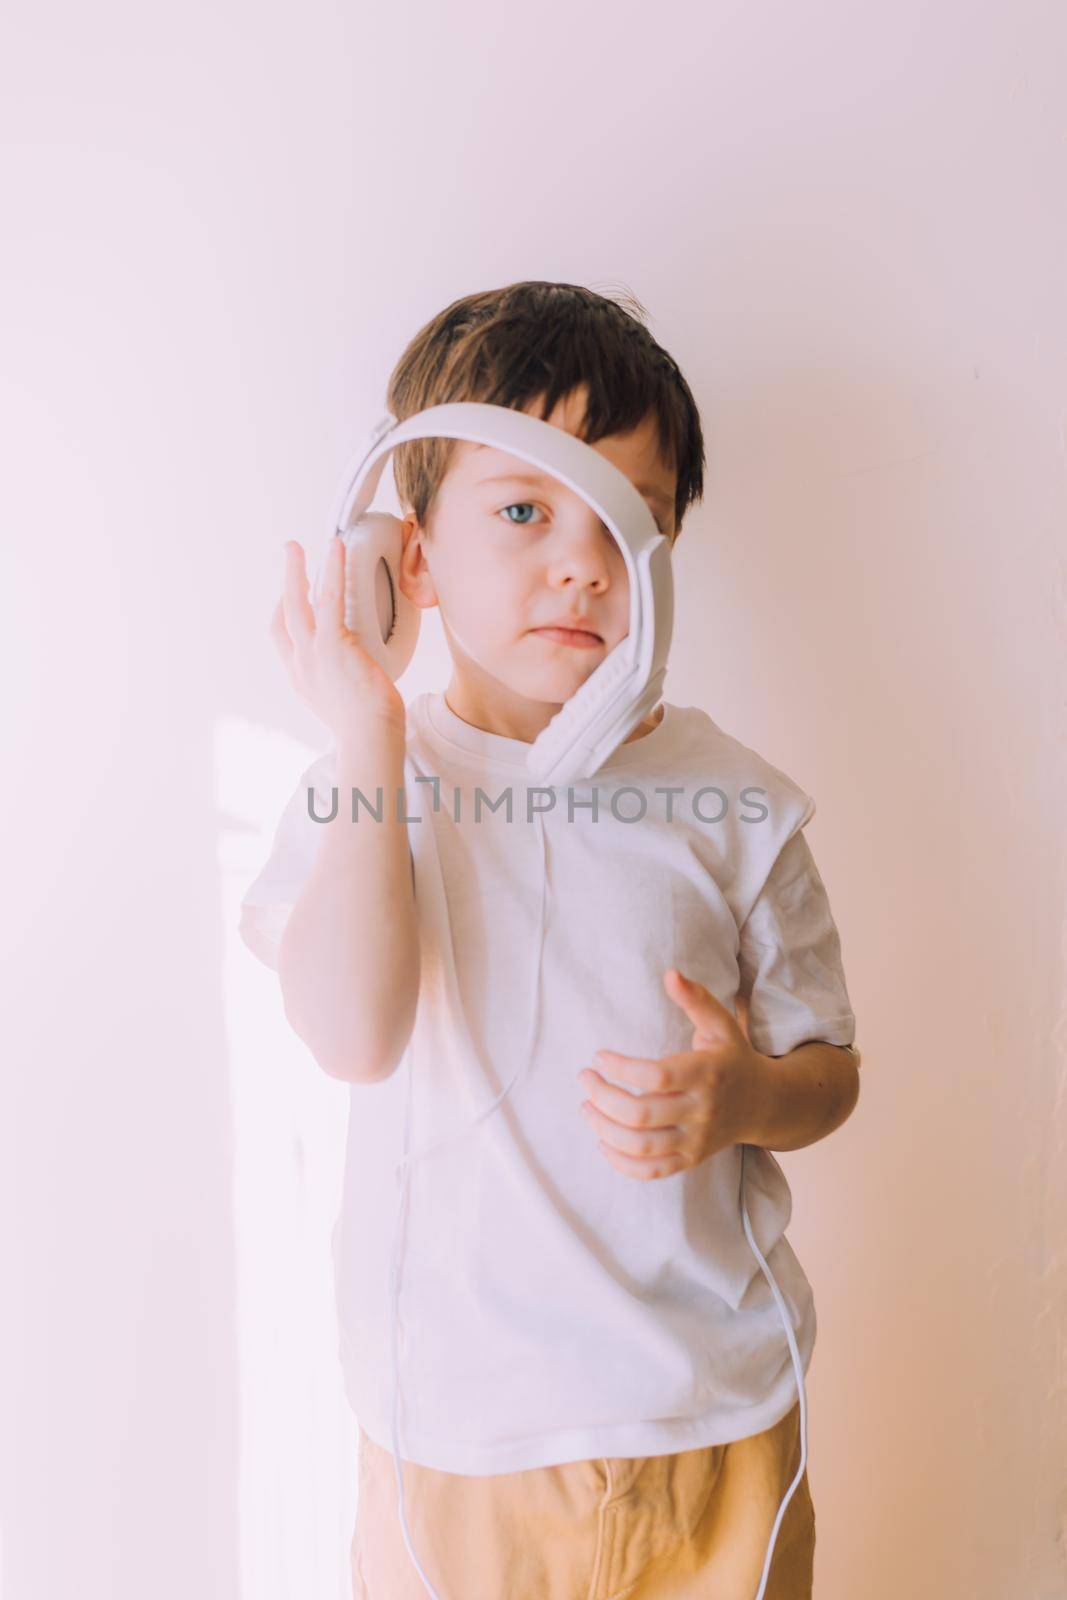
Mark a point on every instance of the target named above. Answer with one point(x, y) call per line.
point(371, 742)
point(371, 761)
point(758, 1096)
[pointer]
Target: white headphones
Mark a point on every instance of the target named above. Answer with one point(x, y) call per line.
point(627, 684)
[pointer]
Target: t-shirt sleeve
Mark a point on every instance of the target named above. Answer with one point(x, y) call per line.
point(790, 958)
point(269, 899)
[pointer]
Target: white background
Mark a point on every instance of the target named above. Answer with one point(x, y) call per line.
point(221, 224)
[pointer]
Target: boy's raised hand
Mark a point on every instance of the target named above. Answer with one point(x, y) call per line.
point(682, 1108)
point(329, 668)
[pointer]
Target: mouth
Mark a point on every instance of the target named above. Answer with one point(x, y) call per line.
point(578, 638)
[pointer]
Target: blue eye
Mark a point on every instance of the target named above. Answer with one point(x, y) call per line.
point(518, 505)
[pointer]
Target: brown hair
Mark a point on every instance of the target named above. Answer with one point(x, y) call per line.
point(508, 346)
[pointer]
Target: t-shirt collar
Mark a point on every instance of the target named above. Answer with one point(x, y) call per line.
point(451, 729)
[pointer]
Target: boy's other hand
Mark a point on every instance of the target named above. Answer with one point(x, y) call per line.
point(328, 667)
point(682, 1108)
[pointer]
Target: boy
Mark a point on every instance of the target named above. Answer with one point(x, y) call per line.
point(598, 1398)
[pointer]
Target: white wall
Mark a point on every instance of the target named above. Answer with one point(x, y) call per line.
point(221, 224)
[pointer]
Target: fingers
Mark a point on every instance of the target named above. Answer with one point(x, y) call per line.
point(644, 1168)
point(296, 608)
point(668, 1074)
point(656, 1143)
point(330, 611)
point(280, 633)
point(635, 1110)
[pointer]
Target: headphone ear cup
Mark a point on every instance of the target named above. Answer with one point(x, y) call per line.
point(381, 616)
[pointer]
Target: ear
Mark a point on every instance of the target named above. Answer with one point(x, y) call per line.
point(415, 579)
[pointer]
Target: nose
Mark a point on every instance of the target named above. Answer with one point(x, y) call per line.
point(585, 555)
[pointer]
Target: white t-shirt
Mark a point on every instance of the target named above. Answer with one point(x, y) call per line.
point(551, 1308)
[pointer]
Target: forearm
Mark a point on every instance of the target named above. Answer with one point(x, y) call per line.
point(801, 1097)
point(349, 957)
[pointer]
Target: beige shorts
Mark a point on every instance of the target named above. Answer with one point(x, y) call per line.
point(689, 1526)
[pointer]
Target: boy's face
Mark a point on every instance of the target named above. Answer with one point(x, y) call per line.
point(511, 551)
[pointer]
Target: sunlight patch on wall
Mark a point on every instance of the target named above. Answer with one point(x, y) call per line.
point(297, 1434)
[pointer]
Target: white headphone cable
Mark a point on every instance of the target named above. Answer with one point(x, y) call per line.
point(798, 1367)
point(402, 1179)
point(400, 1231)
